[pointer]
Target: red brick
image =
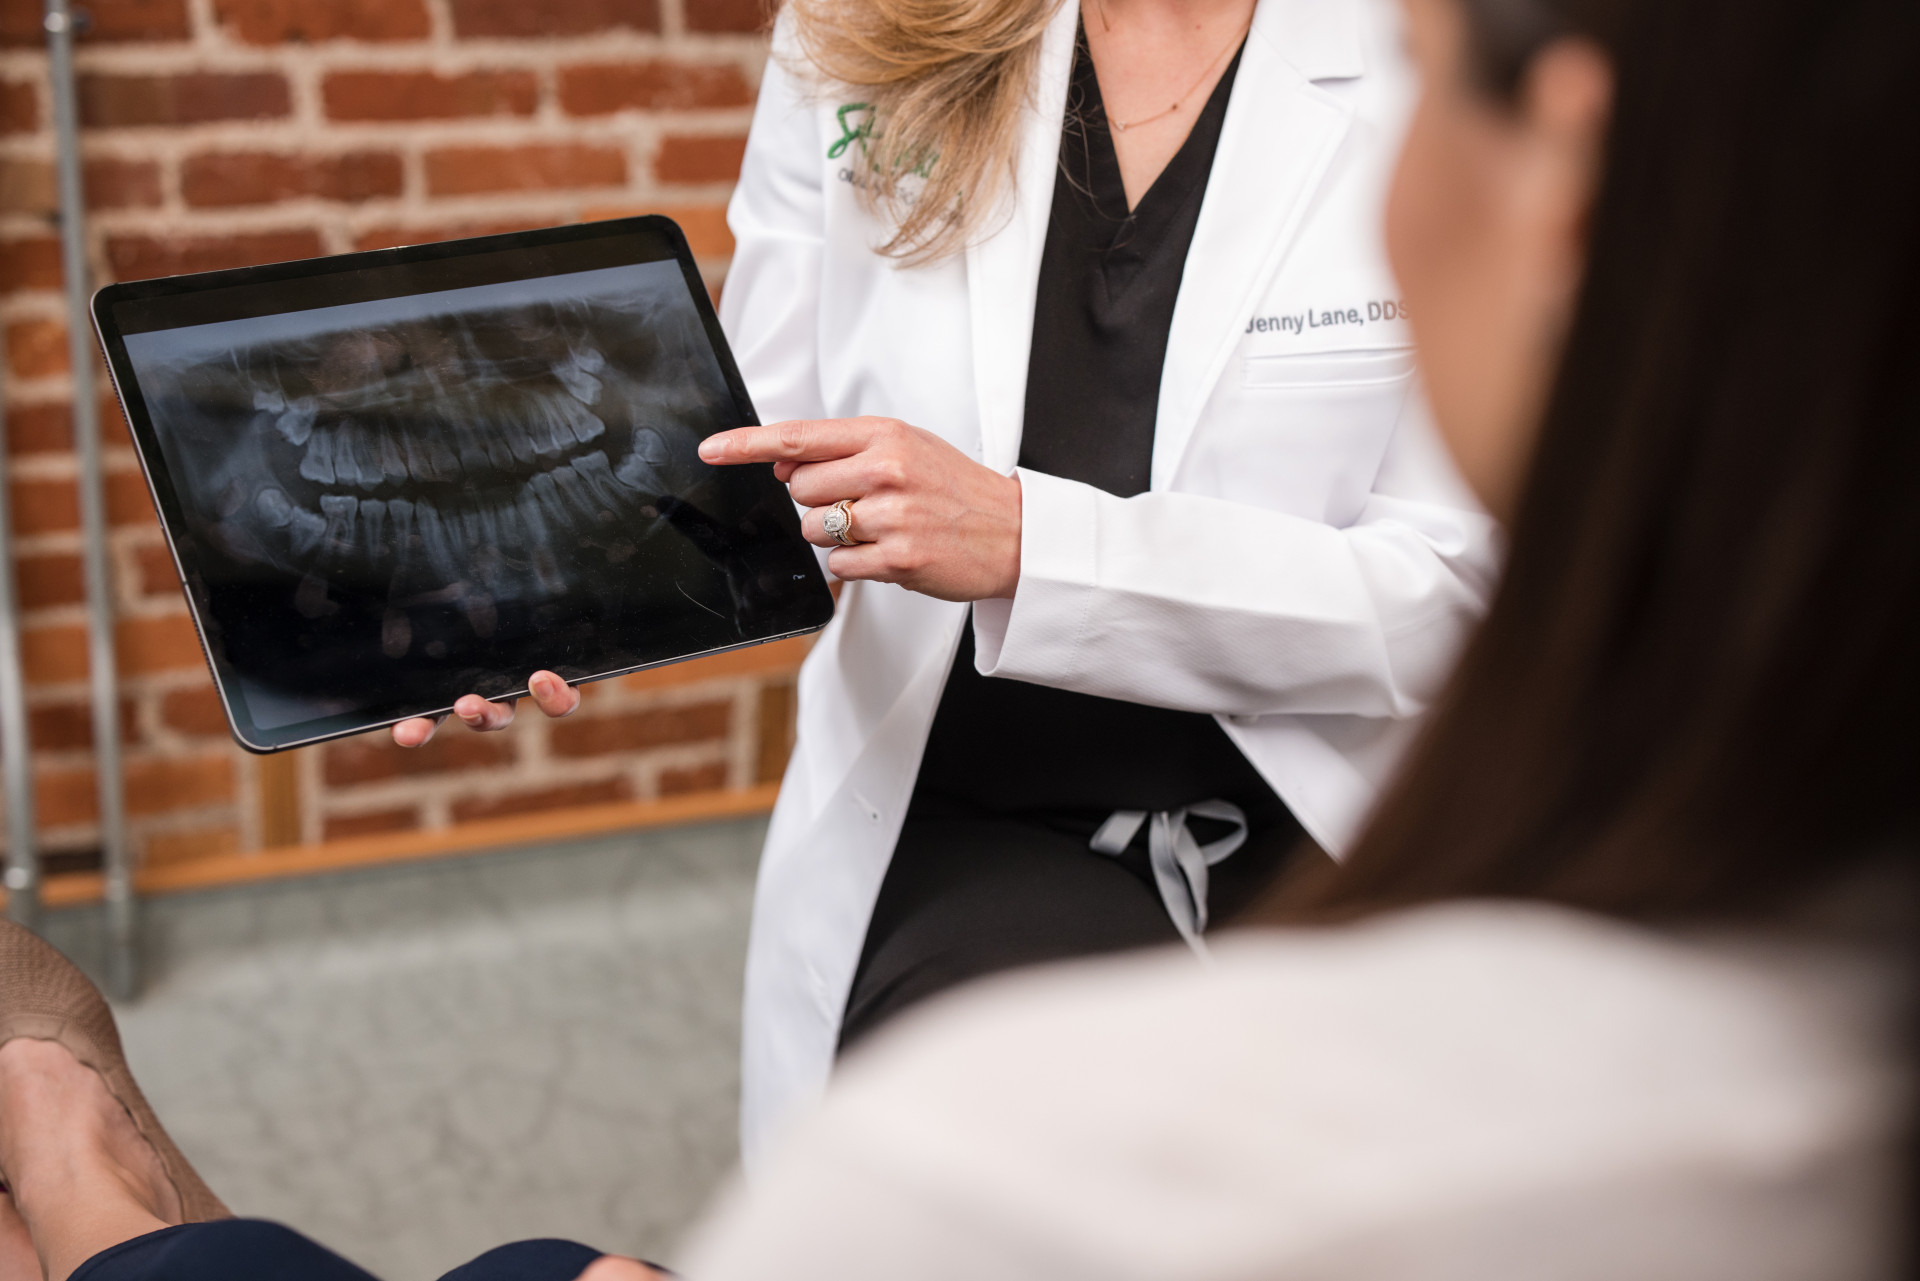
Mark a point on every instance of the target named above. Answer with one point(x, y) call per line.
point(137, 20)
point(344, 826)
point(113, 183)
point(161, 785)
point(32, 262)
point(68, 727)
point(139, 257)
point(728, 15)
point(54, 654)
point(27, 186)
point(45, 506)
point(428, 95)
point(64, 796)
point(61, 727)
point(114, 431)
point(775, 743)
point(225, 179)
point(194, 711)
point(193, 97)
point(699, 157)
point(31, 185)
point(37, 348)
point(158, 577)
point(61, 857)
point(162, 848)
point(696, 778)
point(704, 226)
point(546, 798)
point(637, 731)
point(463, 171)
point(524, 19)
point(305, 21)
point(39, 429)
point(164, 644)
point(129, 501)
point(376, 758)
point(51, 579)
point(108, 20)
point(657, 84)
point(706, 230)
point(19, 107)
point(386, 237)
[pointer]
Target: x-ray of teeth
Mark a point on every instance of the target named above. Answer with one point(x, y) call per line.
point(420, 478)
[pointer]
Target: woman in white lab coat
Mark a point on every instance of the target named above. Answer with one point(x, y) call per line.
point(1133, 438)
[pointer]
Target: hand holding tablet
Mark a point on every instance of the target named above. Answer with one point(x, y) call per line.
point(549, 693)
point(392, 479)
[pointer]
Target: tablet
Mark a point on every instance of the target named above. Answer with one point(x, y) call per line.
point(392, 478)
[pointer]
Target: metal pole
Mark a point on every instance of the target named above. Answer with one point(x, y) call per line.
point(122, 955)
point(23, 859)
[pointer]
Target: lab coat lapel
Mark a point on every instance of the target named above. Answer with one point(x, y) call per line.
point(1278, 139)
point(1003, 270)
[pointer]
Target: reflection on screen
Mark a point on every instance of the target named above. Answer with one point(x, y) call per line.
point(433, 482)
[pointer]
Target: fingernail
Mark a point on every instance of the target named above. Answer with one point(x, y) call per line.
point(543, 686)
point(711, 450)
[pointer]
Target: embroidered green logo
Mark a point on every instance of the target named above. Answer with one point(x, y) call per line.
point(856, 125)
point(851, 133)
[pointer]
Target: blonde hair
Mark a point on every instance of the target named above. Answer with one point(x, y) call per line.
point(936, 88)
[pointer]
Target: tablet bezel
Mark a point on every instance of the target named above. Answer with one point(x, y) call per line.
point(654, 231)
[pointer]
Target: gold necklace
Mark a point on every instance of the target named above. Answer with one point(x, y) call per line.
point(1123, 125)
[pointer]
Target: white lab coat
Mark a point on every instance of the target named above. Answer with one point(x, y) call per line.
point(1303, 566)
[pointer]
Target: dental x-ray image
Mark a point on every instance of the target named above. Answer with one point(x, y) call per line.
point(438, 492)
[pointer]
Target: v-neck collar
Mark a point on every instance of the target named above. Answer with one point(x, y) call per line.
point(1277, 143)
point(1188, 168)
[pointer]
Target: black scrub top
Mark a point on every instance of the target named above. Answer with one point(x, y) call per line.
point(993, 869)
point(1108, 282)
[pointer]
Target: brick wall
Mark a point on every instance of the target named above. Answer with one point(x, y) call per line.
point(225, 132)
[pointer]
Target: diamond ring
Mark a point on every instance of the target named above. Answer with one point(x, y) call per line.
point(837, 521)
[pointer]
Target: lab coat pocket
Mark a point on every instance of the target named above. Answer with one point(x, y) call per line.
point(1305, 432)
point(1330, 369)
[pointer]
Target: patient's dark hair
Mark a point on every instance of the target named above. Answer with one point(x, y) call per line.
point(1697, 692)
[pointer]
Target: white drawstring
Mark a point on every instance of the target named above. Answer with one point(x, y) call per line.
point(1179, 862)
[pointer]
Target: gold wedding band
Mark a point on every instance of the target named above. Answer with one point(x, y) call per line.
point(837, 521)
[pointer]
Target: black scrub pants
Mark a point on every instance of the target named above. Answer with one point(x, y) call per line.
point(971, 894)
point(255, 1250)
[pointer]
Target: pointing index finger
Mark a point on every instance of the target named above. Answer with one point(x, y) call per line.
point(799, 441)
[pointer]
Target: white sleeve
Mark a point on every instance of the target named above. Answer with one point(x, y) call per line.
point(770, 304)
point(1206, 605)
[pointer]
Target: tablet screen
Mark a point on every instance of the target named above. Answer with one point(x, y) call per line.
point(385, 502)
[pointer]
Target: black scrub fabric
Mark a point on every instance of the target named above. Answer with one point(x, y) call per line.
point(255, 1250)
point(993, 868)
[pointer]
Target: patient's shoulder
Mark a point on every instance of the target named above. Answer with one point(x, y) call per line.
point(1447, 1081)
point(1502, 1018)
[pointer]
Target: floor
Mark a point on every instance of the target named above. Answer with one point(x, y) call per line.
point(415, 1064)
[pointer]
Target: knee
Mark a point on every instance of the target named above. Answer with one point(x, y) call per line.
point(609, 1267)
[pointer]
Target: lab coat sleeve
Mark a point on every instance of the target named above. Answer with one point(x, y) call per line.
point(770, 304)
point(1205, 605)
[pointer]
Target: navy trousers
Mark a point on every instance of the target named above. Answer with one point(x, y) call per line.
point(255, 1250)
